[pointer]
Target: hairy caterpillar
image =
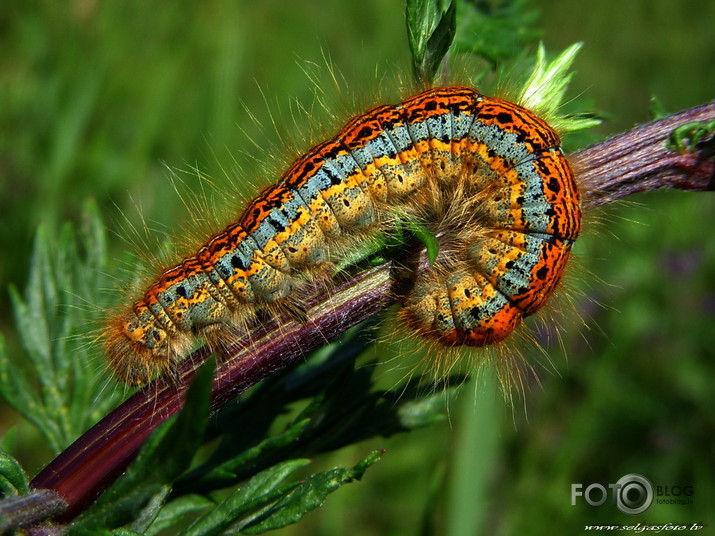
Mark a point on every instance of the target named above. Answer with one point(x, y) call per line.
point(488, 171)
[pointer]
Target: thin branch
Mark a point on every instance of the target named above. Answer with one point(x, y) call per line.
point(632, 162)
point(639, 161)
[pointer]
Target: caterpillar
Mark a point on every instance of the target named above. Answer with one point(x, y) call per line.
point(487, 173)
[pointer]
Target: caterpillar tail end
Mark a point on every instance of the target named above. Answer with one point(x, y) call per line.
point(486, 333)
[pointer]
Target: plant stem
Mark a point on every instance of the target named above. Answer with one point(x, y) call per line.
point(635, 161)
point(23, 510)
point(639, 161)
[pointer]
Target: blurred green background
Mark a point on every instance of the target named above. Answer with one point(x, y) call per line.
point(98, 98)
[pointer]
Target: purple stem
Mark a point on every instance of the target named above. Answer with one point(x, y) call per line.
point(639, 161)
point(635, 161)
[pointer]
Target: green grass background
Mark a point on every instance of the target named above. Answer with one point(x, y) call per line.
point(96, 97)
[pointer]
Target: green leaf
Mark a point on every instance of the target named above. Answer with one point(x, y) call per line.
point(656, 109)
point(545, 90)
point(175, 511)
point(151, 509)
point(495, 31)
point(18, 392)
point(244, 503)
point(13, 480)
point(697, 136)
point(430, 30)
point(227, 472)
point(125, 532)
point(34, 314)
point(364, 251)
point(9, 440)
point(308, 495)
point(426, 237)
point(382, 246)
point(422, 411)
point(56, 386)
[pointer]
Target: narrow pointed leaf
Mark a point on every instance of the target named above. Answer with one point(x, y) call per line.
point(310, 494)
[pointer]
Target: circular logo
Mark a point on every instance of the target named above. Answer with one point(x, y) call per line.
point(634, 494)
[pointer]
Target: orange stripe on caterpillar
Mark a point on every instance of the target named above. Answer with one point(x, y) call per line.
point(487, 173)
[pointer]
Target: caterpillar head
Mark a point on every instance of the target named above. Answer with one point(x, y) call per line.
point(138, 350)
